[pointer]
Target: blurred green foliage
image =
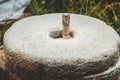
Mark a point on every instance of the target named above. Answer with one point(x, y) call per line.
point(106, 10)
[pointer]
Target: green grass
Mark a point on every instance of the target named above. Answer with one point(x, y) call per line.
point(108, 12)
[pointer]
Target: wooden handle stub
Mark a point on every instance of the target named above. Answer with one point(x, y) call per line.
point(66, 24)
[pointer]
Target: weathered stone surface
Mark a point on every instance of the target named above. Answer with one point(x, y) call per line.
point(35, 54)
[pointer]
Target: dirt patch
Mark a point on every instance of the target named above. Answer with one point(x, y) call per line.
point(119, 78)
point(3, 59)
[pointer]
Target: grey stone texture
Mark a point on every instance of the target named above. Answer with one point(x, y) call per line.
point(36, 51)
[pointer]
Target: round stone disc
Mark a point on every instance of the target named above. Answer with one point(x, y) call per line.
point(36, 41)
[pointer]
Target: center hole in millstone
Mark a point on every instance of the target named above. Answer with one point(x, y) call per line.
point(58, 34)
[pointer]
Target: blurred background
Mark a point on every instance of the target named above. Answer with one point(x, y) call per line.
point(106, 10)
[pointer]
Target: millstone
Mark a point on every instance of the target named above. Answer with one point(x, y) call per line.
point(36, 51)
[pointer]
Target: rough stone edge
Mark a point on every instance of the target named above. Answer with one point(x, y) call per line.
point(15, 67)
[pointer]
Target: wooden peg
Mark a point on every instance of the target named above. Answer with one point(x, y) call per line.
point(66, 24)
